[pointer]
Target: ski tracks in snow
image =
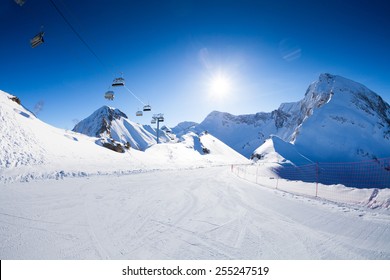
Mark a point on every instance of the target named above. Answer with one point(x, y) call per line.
point(188, 214)
point(100, 242)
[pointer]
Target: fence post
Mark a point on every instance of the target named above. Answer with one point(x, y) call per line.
point(257, 171)
point(316, 179)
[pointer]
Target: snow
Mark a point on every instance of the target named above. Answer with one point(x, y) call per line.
point(206, 213)
point(243, 133)
point(31, 149)
point(64, 197)
point(268, 175)
point(346, 120)
point(183, 128)
point(108, 122)
point(351, 124)
point(277, 150)
point(341, 122)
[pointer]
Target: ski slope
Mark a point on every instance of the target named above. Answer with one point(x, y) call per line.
point(199, 213)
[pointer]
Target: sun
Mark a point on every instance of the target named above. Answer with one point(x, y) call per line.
point(220, 85)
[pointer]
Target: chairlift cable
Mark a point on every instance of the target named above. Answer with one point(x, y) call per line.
point(77, 34)
point(88, 47)
point(135, 96)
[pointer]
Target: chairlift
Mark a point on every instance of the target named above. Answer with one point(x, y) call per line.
point(158, 117)
point(37, 40)
point(153, 121)
point(139, 113)
point(118, 82)
point(20, 2)
point(109, 95)
point(147, 108)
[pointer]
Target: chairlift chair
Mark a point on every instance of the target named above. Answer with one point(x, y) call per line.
point(20, 2)
point(118, 82)
point(153, 121)
point(37, 40)
point(139, 114)
point(147, 108)
point(109, 95)
point(160, 119)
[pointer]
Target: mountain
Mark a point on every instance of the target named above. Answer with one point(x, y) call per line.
point(185, 127)
point(243, 133)
point(31, 149)
point(112, 126)
point(354, 120)
point(337, 120)
point(340, 120)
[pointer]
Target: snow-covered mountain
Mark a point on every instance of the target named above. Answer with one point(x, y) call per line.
point(112, 126)
point(354, 119)
point(31, 149)
point(337, 120)
point(185, 127)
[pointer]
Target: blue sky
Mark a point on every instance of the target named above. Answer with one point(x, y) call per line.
point(172, 51)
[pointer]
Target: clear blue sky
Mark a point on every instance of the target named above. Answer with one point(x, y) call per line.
point(171, 50)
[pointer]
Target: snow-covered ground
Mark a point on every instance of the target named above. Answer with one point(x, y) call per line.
point(62, 196)
point(202, 213)
point(266, 175)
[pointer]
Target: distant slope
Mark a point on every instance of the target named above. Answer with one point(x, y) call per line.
point(212, 148)
point(243, 133)
point(107, 122)
point(184, 127)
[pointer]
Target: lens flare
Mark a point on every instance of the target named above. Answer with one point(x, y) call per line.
point(220, 85)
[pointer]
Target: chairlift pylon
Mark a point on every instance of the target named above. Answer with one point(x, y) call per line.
point(158, 117)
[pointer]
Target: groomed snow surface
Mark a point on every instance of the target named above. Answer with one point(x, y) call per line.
point(203, 213)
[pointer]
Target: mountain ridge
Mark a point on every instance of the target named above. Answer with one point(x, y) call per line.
point(329, 93)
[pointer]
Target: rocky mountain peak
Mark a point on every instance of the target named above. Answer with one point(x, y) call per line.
point(99, 122)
